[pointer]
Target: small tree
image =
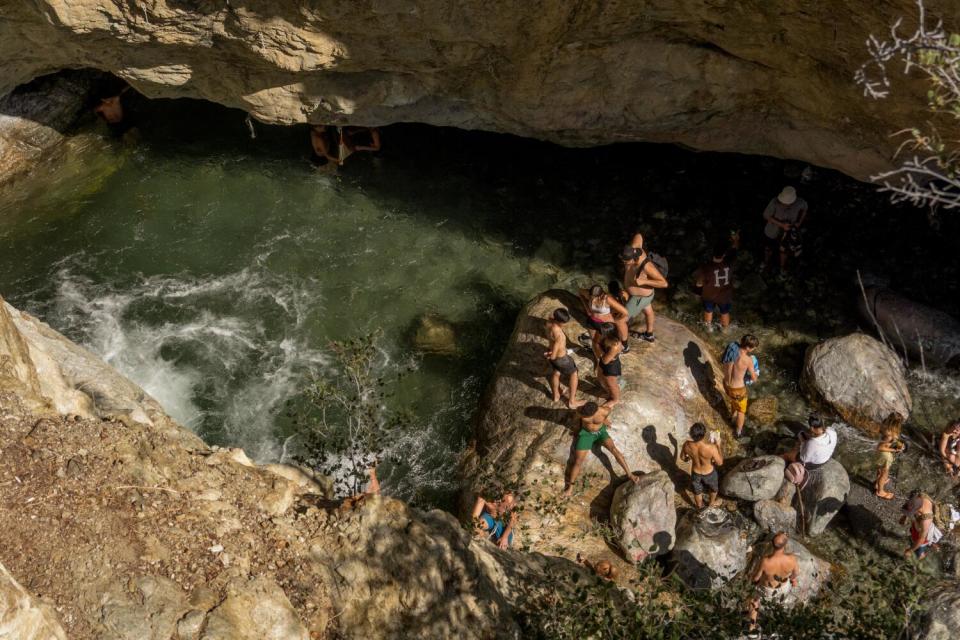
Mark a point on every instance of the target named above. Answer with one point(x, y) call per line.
point(343, 417)
point(929, 172)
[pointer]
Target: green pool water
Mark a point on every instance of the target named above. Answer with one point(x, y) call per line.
point(213, 268)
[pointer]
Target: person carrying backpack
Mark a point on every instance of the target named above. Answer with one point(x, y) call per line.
point(643, 274)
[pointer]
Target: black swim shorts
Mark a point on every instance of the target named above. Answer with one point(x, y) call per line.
point(710, 481)
point(565, 365)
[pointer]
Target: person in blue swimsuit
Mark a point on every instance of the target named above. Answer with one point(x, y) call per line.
point(496, 519)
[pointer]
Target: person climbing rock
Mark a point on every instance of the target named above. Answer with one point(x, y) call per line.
point(111, 108)
point(602, 307)
point(496, 520)
point(775, 576)
point(815, 444)
point(888, 447)
point(737, 368)
point(950, 449)
point(641, 279)
point(704, 457)
point(593, 430)
point(560, 359)
point(784, 213)
point(716, 281)
point(609, 368)
point(924, 534)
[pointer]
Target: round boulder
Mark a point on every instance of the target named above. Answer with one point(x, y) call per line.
point(859, 377)
point(754, 479)
point(712, 547)
point(774, 516)
point(644, 516)
point(823, 495)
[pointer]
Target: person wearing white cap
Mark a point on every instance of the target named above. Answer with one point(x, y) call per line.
point(785, 212)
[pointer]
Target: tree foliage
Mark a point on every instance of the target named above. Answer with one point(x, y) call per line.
point(929, 171)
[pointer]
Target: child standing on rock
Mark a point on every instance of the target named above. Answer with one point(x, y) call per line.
point(887, 449)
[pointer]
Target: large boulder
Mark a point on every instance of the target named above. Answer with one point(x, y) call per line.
point(823, 495)
point(643, 516)
point(525, 439)
point(858, 377)
point(712, 547)
point(754, 479)
point(774, 516)
point(22, 617)
point(942, 621)
point(813, 573)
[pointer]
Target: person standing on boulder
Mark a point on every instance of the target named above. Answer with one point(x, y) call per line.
point(735, 374)
point(593, 430)
point(704, 457)
point(609, 367)
point(559, 358)
point(641, 278)
point(716, 280)
point(775, 576)
point(784, 213)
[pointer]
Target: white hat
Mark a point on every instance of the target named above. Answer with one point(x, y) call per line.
point(787, 196)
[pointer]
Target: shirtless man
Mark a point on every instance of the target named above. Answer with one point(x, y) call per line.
point(325, 144)
point(593, 429)
point(950, 449)
point(559, 359)
point(641, 278)
point(775, 575)
point(734, 380)
point(110, 108)
point(705, 458)
point(490, 519)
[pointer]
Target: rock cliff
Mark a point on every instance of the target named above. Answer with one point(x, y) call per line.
point(131, 528)
point(750, 76)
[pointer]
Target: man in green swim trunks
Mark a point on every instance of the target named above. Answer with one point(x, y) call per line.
point(640, 278)
point(593, 429)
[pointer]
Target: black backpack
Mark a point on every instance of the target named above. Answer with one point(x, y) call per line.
point(658, 261)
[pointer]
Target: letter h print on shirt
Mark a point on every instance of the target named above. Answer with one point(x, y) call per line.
point(721, 277)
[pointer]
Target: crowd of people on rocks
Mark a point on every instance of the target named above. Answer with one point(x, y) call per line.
point(623, 310)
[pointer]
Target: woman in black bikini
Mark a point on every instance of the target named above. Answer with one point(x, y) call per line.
point(608, 349)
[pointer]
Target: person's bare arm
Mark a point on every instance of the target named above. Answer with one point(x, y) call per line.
point(374, 142)
point(684, 452)
point(612, 354)
point(505, 537)
point(718, 456)
point(651, 277)
point(616, 308)
point(751, 371)
point(478, 507)
point(803, 216)
point(944, 442)
point(794, 574)
point(320, 147)
point(758, 573)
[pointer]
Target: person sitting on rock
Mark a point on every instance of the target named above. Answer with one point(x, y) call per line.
point(609, 367)
point(593, 430)
point(601, 307)
point(950, 449)
point(815, 445)
point(924, 533)
point(735, 373)
point(887, 448)
point(496, 520)
point(775, 576)
point(641, 278)
point(704, 457)
point(716, 281)
point(560, 359)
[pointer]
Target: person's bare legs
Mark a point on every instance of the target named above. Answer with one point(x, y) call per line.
point(575, 468)
point(574, 383)
point(713, 499)
point(612, 448)
point(753, 611)
point(883, 476)
point(373, 488)
point(739, 418)
point(708, 317)
point(698, 501)
point(623, 328)
point(613, 388)
point(650, 317)
point(555, 385)
point(724, 321)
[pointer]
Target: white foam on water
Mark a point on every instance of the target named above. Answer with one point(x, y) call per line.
point(221, 368)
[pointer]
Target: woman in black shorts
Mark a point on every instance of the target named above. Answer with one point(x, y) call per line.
point(609, 369)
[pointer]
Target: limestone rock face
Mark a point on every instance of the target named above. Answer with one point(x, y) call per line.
point(752, 77)
point(712, 547)
point(859, 378)
point(524, 437)
point(754, 479)
point(943, 619)
point(22, 617)
point(644, 517)
point(254, 610)
point(823, 495)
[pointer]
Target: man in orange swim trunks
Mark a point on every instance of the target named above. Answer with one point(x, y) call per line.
point(735, 373)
